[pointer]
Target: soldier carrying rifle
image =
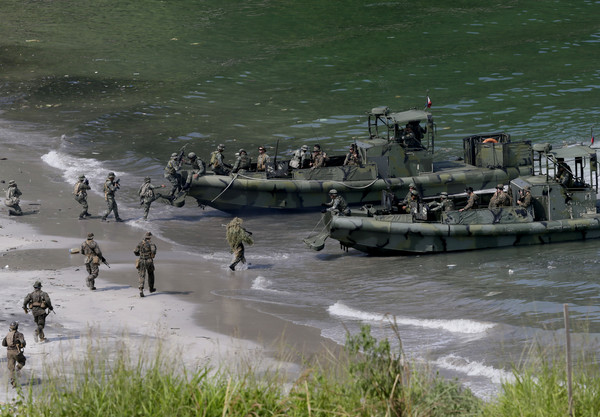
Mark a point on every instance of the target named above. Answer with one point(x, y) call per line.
point(38, 301)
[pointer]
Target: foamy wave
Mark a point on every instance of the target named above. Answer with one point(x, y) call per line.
point(462, 365)
point(72, 167)
point(260, 283)
point(454, 326)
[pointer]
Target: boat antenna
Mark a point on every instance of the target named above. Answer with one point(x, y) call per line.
point(275, 157)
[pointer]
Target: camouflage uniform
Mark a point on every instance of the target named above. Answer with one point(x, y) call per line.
point(198, 168)
point(262, 160)
point(93, 257)
point(445, 204)
point(472, 203)
point(236, 237)
point(14, 343)
point(110, 187)
point(337, 205)
point(38, 301)
point(525, 199)
point(147, 195)
point(173, 176)
point(80, 195)
point(500, 198)
point(564, 175)
point(12, 199)
point(404, 204)
point(217, 161)
point(243, 162)
point(146, 250)
point(318, 157)
point(353, 158)
point(300, 158)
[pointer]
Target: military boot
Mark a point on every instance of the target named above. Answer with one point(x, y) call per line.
point(36, 336)
point(142, 293)
point(152, 289)
point(103, 218)
point(118, 219)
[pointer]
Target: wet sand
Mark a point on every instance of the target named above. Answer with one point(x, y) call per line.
point(184, 312)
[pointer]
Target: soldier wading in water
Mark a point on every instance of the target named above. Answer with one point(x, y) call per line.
point(38, 301)
point(236, 237)
point(146, 250)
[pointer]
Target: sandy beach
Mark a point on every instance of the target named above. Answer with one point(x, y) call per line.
point(36, 246)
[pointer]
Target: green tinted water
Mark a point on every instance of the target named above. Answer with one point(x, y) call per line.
point(254, 70)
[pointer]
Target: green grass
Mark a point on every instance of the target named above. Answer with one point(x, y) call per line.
point(367, 378)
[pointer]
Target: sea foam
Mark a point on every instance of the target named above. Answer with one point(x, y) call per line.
point(72, 167)
point(454, 326)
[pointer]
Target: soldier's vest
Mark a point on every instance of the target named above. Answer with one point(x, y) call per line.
point(146, 191)
point(11, 339)
point(214, 160)
point(37, 300)
point(146, 250)
point(244, 163)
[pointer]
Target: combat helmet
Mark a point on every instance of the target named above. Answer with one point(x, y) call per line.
point(148, 235)
point(304, 147)
point(147, 179)
point(444, 194)
point(82, 177)
point(221, 147)
point(333, 191)
point(14, 325)
point(12, 182)
point(111, 174)
point(242, 151)
point(37, 284)
point(90, 235)
point(174, 155)
point(412, 185)
point(191, 155)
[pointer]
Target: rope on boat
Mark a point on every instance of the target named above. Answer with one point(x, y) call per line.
point(228, 185)
point(335, 182)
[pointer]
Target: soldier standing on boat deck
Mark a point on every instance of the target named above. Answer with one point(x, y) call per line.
point(473, 202)
point(525, 197)
point(217, 161)
point(353, 158)
point(12, 201)
point(262, 160)
point(243, 162)
point(318, 157)
point(110, 188)
point(146, 250)
point(14, 342)
point(172, 175)
point(38, 301)
point(147, 195)
point(412, 188)
point(500, 198)
point(300, 158)
point(80, 193)
point(93, 257)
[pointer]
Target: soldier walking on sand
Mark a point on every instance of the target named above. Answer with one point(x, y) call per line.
point(146, 250)
point(12, 201)
point(38, 301)
point(80, 193)
point(14, 343)
point(147, 195)
point(236, 237)
point(110, 188)
point(93, 257)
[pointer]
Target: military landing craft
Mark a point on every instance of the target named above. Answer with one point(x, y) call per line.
point(391, 160)
point(563, 190)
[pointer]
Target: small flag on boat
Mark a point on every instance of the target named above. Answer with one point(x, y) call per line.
point(592, 141)
point(428, 104)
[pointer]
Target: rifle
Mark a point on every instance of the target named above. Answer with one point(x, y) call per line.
point(105, 262)
point(180, 155)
